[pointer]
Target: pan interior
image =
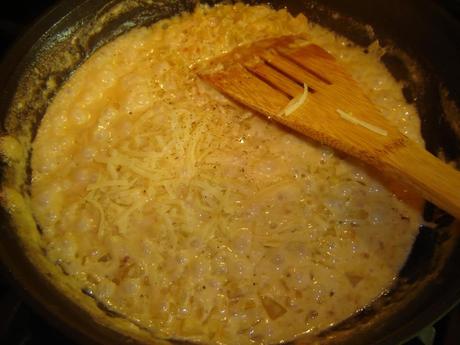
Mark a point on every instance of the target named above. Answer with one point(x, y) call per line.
point(82, 31)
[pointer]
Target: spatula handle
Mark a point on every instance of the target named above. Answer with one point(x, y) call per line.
point(437, 181)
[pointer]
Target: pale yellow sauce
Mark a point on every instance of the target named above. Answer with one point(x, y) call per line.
point(194, 217)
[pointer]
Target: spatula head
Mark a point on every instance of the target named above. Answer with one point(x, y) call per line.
point(267, 75)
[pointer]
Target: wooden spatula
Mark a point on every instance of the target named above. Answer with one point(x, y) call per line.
point(272, 73)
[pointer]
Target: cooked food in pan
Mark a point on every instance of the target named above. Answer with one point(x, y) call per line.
point(196, 218)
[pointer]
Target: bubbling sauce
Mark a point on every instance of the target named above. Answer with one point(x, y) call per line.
point(196, 218)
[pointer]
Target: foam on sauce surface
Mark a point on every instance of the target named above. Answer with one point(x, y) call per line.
point(194, 217)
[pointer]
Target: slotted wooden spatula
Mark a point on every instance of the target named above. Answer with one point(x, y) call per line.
point(272, 73)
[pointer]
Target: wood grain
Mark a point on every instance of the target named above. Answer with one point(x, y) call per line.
point(266, 75)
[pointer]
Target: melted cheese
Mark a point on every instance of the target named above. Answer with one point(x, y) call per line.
point(187, 214)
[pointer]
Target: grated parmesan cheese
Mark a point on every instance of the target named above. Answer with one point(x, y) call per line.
point(296, 102)
point(349, 117)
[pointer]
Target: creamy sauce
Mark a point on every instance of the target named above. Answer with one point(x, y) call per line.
point(194, 217)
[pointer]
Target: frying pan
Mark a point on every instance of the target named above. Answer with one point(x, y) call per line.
point(423, 51)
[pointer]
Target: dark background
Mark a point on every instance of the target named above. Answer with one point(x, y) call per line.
point(15, 15)
point(20, 325)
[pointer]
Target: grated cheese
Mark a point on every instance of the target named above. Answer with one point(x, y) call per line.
point(349, 117)
point(296, 102)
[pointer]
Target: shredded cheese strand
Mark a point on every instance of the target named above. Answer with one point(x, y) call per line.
point(349, 117)
point(296, 102)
